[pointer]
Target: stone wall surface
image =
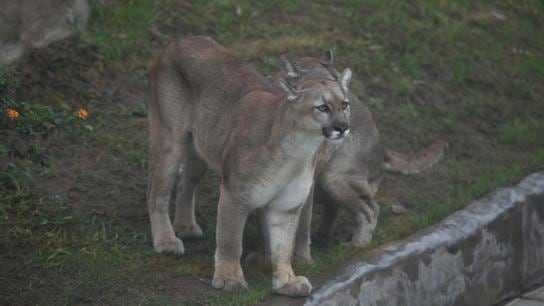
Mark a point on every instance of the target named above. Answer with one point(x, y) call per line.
point(491, 250)
point(26, 24)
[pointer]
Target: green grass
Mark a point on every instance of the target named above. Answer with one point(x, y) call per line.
point(474, 188)
point(255, 294)
point(520, 133)
point(122, 28)
point(429, 212)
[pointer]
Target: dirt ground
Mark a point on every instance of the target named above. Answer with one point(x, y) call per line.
point(103, 253)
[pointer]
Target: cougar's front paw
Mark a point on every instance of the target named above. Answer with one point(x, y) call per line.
point(229, 284)
point(229, 277)
point(172, 246)
point(297, 286)
point(360, 240)
point(188, 231)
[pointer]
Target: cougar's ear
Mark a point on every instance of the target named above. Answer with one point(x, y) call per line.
point(344, 79)
point(292, 93)
point(327, 58)
point(290, 68)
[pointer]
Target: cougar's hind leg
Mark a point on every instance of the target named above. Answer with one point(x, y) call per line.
point(361, 207)
point(165, 162)
point(168, 133)
point(185, 222)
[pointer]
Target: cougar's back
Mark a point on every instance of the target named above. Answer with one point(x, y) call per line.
point(197, 87)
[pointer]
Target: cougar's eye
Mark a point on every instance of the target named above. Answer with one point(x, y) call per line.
point(323, 108)
point(345, 105)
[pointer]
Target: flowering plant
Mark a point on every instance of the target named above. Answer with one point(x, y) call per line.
point(24, 129)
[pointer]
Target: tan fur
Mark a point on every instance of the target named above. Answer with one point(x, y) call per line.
point(349, 176)
point(416, 163)
point(210, 110)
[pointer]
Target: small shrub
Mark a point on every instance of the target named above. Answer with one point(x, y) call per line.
point(24, 129)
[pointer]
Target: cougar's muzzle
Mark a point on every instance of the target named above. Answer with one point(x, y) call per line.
point(337, 131)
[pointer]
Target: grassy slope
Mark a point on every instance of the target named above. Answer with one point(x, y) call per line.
point(469, 72)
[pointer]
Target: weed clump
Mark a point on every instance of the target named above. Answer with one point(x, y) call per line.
point(25, 128)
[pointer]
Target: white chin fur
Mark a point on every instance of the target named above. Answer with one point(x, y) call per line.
point(335, 137)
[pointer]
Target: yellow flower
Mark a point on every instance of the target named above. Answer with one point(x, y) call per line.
point(12, 114)
point(82, 114)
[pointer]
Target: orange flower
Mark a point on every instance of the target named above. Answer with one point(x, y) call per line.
point(82, 114)
point(12, 114)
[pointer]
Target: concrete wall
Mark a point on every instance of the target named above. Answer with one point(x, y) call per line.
point(26, 24)
point(478, 256)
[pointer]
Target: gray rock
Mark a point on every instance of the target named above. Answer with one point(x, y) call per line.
point(524, 302)
point(26, 24)
point(537, 295)
point(398, 209)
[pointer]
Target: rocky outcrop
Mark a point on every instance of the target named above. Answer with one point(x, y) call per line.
point(26, 24)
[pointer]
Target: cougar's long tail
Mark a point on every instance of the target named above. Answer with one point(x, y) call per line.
point(415, 163)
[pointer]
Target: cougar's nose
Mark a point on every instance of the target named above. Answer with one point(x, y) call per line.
point(341, 127)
